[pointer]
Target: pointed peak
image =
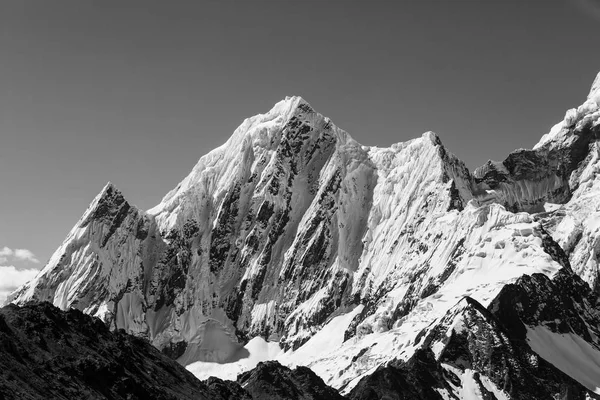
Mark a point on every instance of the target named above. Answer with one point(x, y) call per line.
point(433, 137)
point(108, 191)
point(109, 184)
point(290, 105)
point(294, 99)
point(109, 198)
point(109, 187)
point(594, 94)
point(428, 138)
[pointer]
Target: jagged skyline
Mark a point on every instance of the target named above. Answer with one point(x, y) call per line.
point(136, 95)
point(305, 247)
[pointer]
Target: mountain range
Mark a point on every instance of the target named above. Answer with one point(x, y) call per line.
point(386, 271)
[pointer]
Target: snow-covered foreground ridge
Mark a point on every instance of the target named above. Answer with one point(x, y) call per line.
point(292, 228)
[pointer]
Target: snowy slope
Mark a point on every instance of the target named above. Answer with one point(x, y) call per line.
point(503, 351)
point(343, 254)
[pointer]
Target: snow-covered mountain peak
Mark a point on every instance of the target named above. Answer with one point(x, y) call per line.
point(107, 194)
point(288, 196)
point(291, 134)
point(291, 129)
point(109, 186)
point(106, 202)
point(87, 265)
point(279, 115)
point(292, 232)
point(289, 103)
point(435, 139)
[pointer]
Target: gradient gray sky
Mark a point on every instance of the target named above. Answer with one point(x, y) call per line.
point(135, 92)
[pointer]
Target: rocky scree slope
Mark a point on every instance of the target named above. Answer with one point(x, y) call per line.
point(291, 229)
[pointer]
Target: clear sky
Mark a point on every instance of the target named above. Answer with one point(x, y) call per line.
point(134, 92)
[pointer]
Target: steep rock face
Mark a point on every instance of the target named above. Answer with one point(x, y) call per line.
point(112, 265)
point(98, 260)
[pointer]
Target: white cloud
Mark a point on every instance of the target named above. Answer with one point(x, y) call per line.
point(4, 254)
point(11, 278)
point(26, 255)
point(7, 254)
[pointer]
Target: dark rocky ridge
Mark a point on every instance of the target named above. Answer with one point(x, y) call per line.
point(271, 380)
point(492, 343)
point(49, 353)
point(415, 379)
